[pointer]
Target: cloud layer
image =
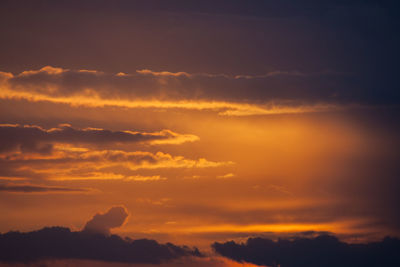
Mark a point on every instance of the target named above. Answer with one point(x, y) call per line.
point(67, 153)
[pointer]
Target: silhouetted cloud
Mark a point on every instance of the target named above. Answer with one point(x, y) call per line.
point(324, 250)
point(94, 242)
point(192, 261)
point(102, 222)
point(61, 243)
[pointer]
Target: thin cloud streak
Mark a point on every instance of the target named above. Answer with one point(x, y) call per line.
point(29, 188)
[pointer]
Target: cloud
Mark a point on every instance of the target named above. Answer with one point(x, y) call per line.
point(33, 138)
point(276, 92)
point(97, 165)
point(225, 176)
point(28, 188)
point(102, 222)
point(324, 250)
point(192, 261)
point(61, 243)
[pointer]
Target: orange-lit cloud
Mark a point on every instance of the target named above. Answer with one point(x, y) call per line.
point(165, 90)
point(96, 165)
point(32, 138)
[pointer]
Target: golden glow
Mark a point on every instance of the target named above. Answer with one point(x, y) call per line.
point(263, 228)
point(223, 176)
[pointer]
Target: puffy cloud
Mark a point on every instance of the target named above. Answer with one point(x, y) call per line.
point(33, 138)
point(102, 222)
point(323, 250)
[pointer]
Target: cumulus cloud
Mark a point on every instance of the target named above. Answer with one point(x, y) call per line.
point(33, 138)
point(102, 222)
point(324, 250)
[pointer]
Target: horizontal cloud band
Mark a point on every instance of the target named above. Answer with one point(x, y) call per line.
point(32, 138)
point(272, 93)
point(61, 243)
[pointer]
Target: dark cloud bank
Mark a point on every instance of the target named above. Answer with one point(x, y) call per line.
point(324, 250)
point(62, 243)
point(93, 243)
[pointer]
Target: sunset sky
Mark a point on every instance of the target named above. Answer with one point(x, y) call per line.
point(201, 121)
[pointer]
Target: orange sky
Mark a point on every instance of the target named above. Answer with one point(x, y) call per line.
point(205, 124)
point(215, 177)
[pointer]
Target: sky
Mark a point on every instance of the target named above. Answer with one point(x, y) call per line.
point(199, 122)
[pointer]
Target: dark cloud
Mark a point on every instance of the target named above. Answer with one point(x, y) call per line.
point(27, 188)
point(324, 250)
point(102, 222)
point(61, 243)
point(32, 138)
